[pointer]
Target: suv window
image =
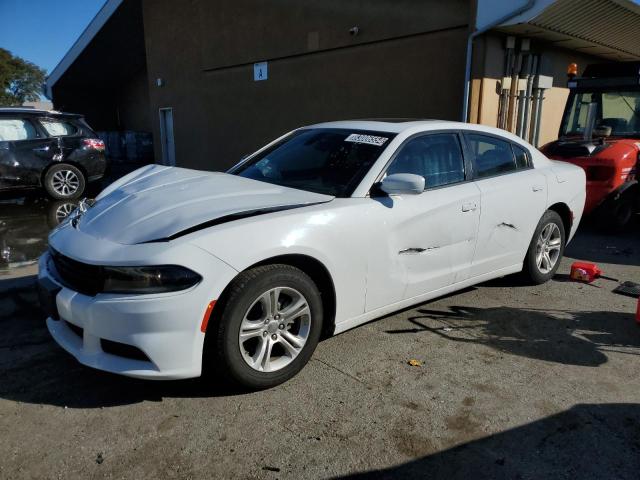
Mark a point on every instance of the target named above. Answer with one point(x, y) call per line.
point(58, 128)
point(436, 157)
point(493, 156)
point(12, 129)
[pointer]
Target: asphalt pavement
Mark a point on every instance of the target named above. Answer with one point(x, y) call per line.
point(502, 380)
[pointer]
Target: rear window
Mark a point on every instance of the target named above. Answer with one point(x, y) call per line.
point(493, 156)
point(13, 129)
point(522, 157)
point(58, 128)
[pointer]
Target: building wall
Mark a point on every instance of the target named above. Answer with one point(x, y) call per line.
point(489, 69)
point(406, 61)
point(133, 103)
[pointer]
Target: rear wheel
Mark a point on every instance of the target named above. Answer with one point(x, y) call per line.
point(546, 249)
point(64, 182)
point(268, 328)
point(619, 214)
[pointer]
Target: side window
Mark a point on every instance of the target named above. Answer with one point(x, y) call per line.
point(58, 128)
point(12, 129)
point(522, 157)
point(492, 155)
point(436, 157)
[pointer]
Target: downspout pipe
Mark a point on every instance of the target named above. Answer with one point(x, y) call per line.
point(471, 38)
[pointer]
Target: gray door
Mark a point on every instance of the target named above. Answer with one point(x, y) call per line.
point(166, 137)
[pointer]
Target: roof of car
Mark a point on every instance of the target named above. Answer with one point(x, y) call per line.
point(391, 125)
point(36, 111)
point(402, 124)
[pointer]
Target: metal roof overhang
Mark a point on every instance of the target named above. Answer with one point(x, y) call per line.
point(605, 28)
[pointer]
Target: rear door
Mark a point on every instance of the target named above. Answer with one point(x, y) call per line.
point(513, 199)
point(25, 150)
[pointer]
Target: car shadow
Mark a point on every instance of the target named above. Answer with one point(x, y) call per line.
point(587, 442)
point(34, 369)
point(594, 245)
point(566, 337)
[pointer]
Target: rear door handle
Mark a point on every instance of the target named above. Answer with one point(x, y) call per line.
point(469, 207)
point(42, 149)
point(537, 188)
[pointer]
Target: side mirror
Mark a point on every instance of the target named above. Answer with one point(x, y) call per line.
point(403, 183)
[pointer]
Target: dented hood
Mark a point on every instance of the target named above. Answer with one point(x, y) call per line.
point(158, 203)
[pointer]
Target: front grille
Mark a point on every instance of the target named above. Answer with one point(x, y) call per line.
point(78, 276)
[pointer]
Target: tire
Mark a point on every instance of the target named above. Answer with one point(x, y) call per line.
point(619, 215)
point(64, 182)
point(246, 307)
point(536, 268)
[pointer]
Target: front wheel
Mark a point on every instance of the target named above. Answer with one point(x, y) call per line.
point(546, 249)
point(269, 326)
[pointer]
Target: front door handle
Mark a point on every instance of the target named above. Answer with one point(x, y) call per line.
point(537, 188)
point(469, 207)
point(42, 149)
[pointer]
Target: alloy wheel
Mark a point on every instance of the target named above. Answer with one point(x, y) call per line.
point(65, 182)
point(275, 329)
point(548, 248)
point(63, 210)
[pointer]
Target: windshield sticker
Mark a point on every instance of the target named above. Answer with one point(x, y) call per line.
point(368, 139)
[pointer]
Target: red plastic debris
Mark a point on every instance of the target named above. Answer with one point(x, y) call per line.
point(585, 271)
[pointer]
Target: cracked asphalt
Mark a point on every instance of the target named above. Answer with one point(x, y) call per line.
point(514, 382)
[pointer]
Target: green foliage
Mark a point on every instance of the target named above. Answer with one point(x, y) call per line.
point(20, 80)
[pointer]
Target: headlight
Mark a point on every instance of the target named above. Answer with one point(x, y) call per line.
point(165, 278)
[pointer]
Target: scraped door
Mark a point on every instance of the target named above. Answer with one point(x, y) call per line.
point(430, 237)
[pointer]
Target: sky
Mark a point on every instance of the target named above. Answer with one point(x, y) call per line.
point(42, 31)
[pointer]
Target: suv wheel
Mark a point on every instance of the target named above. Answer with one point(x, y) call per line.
point(64, 182)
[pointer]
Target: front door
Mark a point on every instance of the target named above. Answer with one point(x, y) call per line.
point(431, 235)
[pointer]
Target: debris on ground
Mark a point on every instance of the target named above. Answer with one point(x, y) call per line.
point(415, 363)
point(99, 459)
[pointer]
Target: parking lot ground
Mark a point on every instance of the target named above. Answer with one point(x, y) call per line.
point(515, 382)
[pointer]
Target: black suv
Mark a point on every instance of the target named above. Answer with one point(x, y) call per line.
point(53, 150)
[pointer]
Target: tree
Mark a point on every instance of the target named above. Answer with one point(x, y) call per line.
point(20, 81)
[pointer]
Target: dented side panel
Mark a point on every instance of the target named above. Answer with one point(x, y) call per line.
point(511, 207)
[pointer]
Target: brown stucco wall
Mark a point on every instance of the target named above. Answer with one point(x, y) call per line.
point(133, 103)
point(408, 61)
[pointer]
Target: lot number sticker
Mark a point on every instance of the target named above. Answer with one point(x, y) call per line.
point(368, 139)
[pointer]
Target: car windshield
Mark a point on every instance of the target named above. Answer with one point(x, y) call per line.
point(321, 160)
point(619, 110)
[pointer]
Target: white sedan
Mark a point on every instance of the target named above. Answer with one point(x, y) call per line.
point(171, 272)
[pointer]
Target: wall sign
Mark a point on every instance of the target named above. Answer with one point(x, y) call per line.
point(260, 71)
